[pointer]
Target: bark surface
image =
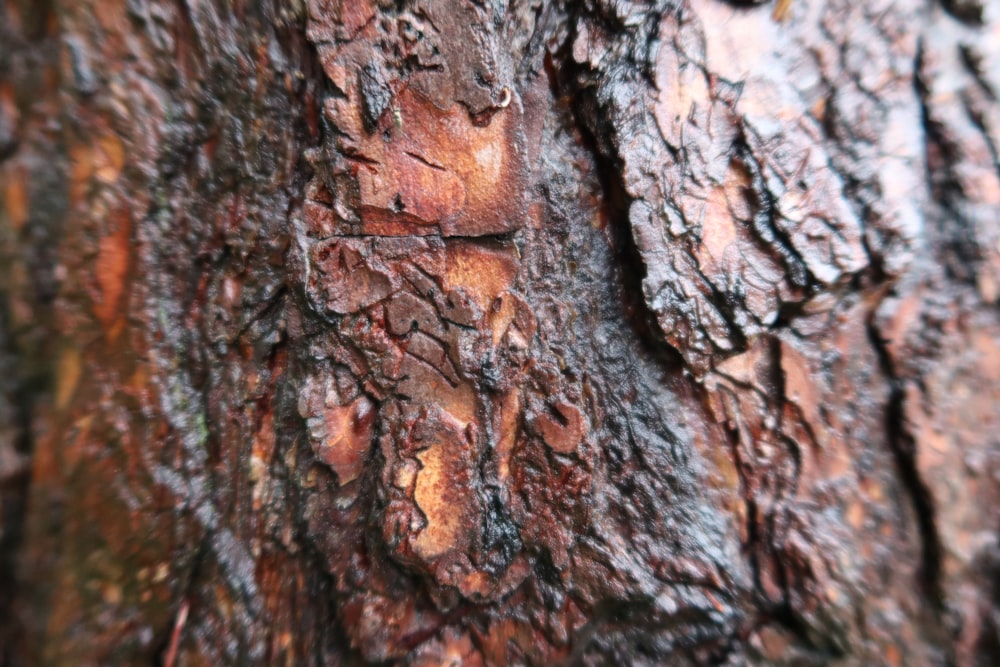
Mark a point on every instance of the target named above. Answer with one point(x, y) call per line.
point(440, 332)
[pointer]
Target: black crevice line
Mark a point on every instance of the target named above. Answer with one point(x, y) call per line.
point(901, 442)
point(904, 450)
point(616, 201)
point(631, 273)
point(15, 486)
point(952, 235)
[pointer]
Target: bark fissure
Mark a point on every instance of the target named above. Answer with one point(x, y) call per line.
point(903, 446)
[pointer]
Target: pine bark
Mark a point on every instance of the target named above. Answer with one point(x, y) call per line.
point(493, 333)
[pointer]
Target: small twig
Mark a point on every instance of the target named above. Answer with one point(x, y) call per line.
point(781, 10)
point(175, 637)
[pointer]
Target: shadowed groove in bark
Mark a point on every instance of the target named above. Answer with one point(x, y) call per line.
point(586, 115)
point(903, 447)
point(16, 405)
point(957, 245)
point(28, 347)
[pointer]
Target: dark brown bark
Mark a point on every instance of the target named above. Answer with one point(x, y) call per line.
point(454, 332)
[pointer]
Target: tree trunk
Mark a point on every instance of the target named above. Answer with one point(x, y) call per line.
point(491, 333)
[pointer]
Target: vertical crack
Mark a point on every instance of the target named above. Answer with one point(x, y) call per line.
point(590, 120)
point(17, 402)
point(904, 451)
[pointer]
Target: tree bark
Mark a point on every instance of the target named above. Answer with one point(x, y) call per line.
point(515, 332)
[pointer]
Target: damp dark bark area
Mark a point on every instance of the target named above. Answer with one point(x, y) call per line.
point(440, 332)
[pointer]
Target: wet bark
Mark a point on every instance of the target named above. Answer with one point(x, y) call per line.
point(521, 332)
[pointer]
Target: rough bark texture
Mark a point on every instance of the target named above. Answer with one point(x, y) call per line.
point(490, 333)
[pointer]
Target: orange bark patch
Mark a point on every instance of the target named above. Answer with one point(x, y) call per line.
point(112, 266)
point(81, 158)
point(349, 282)
point(430, 385)
point(109, 158)
point(15, 198)
point(440, 170)
point(483, 271)
point(349, 430)
point(451, 650)
point(68, 376)
point(8, 105)
point(409, 188)
point(329, 19)
point(719, 230)
point(723, 212)
point(442, 494)
point(562, 428)
point(801, 390)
